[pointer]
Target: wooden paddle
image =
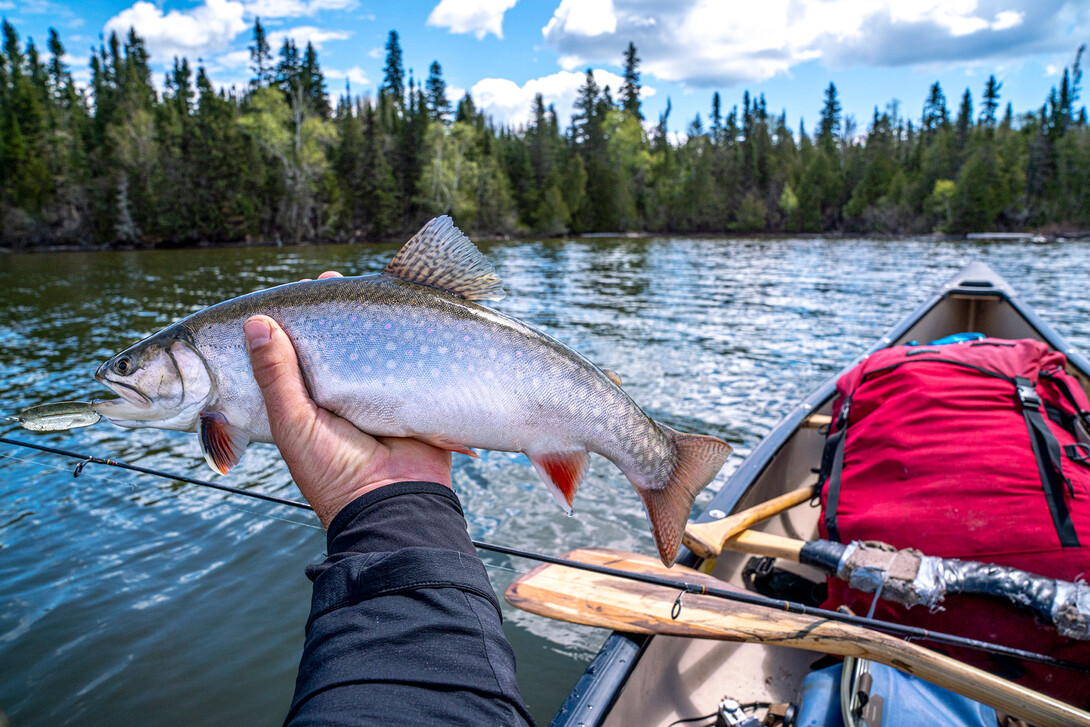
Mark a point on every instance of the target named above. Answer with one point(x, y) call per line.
point(707, 539)
point(618, 603)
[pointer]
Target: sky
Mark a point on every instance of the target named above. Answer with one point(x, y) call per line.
point(505, 51)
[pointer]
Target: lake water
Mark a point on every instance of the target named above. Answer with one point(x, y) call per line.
point(127, 599)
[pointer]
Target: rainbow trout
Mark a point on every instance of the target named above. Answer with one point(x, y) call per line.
point(411, 353)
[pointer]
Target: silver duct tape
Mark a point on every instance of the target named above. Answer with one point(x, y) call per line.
point(929, 586)
point(1071, 609)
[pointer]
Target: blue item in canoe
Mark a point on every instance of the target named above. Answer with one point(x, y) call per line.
point(907, 701)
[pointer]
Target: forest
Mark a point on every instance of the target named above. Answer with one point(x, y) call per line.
point(119, 163)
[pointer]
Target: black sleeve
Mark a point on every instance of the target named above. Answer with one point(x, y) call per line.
point(404, 626)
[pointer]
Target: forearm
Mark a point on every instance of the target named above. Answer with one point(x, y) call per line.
point(404, 625)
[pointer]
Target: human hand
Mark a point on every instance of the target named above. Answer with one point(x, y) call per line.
point(331, 461)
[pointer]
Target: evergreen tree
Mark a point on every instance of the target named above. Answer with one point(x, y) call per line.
point(260, 57)
point(393, 80)
point(990, 102)
point(312, 83)
point(630, 89)
point(436, 95)
point(829, 126)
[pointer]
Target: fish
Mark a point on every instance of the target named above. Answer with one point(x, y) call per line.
point(57, 416)
point(413, 352)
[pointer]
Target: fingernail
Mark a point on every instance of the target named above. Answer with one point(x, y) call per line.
point(258, 333)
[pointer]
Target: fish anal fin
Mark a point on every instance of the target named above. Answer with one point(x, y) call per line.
point(450, 446)
point(699, 459)
point(613, 376)
point(221, 443)
point(562, 472)
point(442, 257)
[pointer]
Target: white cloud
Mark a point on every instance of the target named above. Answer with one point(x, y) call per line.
point(376, 53)
point(479, 17)
point(587, 18)
point(509, 103)
point(714, 43)
point(209, 27)
point(234, 59)
point(294, 8)
point(356, 75)
point(306, 34)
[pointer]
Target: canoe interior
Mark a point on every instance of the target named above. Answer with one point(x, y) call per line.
point(676, 678)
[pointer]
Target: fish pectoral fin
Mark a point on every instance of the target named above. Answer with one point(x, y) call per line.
point(563, 472)
point(449, 445)
point(442, 257)
point(221, 443)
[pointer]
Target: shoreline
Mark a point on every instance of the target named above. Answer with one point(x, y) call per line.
point(1037, 237)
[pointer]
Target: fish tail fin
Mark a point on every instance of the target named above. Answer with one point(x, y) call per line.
point(699, 459)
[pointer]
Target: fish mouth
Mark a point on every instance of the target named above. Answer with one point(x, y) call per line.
point(132, 406)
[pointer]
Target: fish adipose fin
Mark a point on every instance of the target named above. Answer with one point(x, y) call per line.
point(221, 443)
point(442, 257)
point(613, 376)
point(563, 472)
point(699, 459)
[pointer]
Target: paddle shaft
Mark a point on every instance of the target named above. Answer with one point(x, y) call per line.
point(707, 539)
point(622, 604)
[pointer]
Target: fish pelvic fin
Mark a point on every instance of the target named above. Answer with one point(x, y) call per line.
point(450, 445)
point(221, 443)
point(563, 472)
point(699, 459)
point(442, 257)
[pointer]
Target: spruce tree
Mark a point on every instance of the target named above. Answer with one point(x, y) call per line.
point(260, 57)
point(630, 89)
point(436, 94)
point(393, 80)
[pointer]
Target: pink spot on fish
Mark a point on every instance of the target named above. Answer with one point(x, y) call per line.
point(353, 319)
point(470, 368)
point(387, 326)
point(518, 354)
point(408, 352)
point(353, 357)
point(366, 368)
point(321, 321)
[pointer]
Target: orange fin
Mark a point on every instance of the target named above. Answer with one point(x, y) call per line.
point(449, 446)
point(221, 443)
point(613, 376)
point(563, 472)
point(699, 459)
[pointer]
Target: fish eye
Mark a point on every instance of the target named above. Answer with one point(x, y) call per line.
point(123, 365)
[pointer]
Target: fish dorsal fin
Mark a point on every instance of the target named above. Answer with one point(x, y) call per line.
point(442, 257)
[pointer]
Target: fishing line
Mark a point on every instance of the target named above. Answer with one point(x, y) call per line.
point(133, 485)
point(908, 632)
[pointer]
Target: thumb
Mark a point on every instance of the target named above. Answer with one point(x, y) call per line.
point(276, 370)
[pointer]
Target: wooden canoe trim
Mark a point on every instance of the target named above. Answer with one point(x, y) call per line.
point(817, 421)
point(616, 603)
point(707, 539)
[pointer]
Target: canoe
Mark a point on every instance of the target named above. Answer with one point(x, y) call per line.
point(658, 680)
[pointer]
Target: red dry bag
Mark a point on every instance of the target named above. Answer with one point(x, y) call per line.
point(974, 450)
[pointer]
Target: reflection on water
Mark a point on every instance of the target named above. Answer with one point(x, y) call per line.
point(129, 600)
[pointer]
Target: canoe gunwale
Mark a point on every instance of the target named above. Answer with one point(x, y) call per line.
point(596, 691)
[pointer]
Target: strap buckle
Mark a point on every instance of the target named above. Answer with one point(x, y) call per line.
point(1027, 394)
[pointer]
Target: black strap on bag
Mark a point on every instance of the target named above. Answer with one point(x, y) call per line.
point(1046, 450)
point(832, 464)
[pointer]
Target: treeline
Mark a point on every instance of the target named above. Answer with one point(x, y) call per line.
point(117, 162)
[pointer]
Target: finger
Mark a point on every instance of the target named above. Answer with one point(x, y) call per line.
point(276, 370)
point(330, 274)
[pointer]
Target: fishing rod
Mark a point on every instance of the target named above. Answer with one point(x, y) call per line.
point(908, 632)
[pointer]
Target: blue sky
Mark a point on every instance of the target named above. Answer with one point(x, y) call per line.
point(503, 51)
